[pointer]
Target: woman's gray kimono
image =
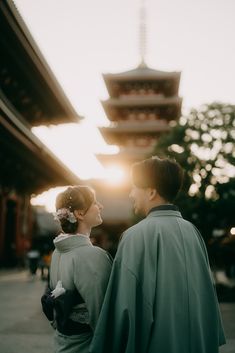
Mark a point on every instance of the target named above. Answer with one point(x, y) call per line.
point(79, 264)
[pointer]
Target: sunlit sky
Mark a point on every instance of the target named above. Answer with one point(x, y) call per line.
point(80, 40)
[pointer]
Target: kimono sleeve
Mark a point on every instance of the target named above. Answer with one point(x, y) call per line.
point(221, 335)
point(91, 279)
point(125, 321)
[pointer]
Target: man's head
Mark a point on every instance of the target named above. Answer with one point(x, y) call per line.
point(155, 181)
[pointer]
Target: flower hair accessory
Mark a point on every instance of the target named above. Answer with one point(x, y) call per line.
point(65, 213)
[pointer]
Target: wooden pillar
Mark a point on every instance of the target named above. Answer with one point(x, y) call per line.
point(24, 227)
point(27, 226)
point(30, 222)
point(18, 227)
point(9, 250)
point(2, 224)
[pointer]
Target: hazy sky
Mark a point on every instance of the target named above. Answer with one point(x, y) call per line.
point(83, 39)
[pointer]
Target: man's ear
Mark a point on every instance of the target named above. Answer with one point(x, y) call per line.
point(79, 214)
point(152, 194)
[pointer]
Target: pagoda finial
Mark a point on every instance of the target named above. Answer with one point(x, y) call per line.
point(142, 34)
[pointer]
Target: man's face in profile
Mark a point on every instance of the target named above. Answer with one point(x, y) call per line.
point(139, 198)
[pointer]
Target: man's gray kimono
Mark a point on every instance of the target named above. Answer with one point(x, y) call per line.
point(160, 296)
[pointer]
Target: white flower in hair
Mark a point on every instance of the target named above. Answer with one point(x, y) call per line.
point(65, 213)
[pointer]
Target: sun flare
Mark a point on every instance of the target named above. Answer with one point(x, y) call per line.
point(115, 175)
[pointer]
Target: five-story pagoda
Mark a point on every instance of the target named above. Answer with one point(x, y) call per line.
point(142, 104)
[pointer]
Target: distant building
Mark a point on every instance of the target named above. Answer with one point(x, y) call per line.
point(143, 104)
point(29, 96)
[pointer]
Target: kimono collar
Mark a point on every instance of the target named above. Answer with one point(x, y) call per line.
point(169, 207)
point(67, 243)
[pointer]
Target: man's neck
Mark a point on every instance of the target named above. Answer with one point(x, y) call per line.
point(164, 207)
point(156, 203)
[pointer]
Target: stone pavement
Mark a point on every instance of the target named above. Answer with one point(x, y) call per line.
point(228, 316)
point(24, 329)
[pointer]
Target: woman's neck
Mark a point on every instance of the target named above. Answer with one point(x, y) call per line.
point(84, 229)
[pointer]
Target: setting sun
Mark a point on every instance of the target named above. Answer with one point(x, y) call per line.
point(115, 175)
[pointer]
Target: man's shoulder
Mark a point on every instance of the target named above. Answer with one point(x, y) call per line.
point(156, 225)
point(135, 232)
point(135, 228)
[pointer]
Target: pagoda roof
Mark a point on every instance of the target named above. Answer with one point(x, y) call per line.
point(142, 100)
point(140, 73)
point(116, 132)
point(112, 105)
point(26, 163)
point(137, 126)
point(125, 155)
point(26, 78)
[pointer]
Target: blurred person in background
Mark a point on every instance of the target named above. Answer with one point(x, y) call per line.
point(45, 263)
point(33, 258)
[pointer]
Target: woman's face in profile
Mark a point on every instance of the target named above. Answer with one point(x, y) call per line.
point(93, 217)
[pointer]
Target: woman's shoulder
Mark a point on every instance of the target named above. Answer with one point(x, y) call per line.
point(93, 253)
point(96, 252)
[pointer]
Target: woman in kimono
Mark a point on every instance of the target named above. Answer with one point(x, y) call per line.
point(78, 268)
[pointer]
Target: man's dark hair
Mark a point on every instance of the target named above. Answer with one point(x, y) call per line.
point(164, 175)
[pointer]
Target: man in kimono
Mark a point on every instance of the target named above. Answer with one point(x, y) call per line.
point(160, 297)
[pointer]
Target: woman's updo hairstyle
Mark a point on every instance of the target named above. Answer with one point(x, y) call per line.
point(73, 198)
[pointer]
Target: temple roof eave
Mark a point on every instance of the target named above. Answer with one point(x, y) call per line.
point(40, 75)
point(24, 146)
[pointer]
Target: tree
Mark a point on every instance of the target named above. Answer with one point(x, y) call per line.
point(203, 143)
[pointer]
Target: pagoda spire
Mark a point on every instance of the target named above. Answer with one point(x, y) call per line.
point(142, 34)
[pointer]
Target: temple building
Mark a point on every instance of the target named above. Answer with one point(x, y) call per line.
point(29, 96)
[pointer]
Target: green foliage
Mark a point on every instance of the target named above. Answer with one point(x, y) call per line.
point(203, 143)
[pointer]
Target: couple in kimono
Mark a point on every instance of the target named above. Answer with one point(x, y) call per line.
point(160, 296)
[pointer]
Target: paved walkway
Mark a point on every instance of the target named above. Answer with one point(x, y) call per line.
point(228, 316)
point(24, 329)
